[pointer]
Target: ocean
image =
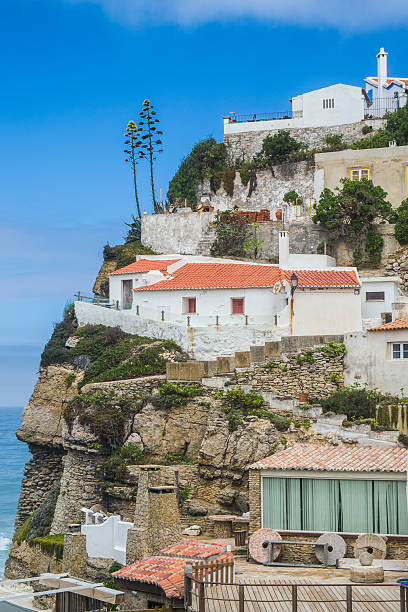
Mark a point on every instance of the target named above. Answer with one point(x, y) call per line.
point(13, 456)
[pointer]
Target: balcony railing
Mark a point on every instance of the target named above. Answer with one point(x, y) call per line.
point(266, 116)
point(380, 106)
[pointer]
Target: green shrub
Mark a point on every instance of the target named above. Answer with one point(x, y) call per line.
point(22, 533)
point(171, 394)
point(105, 413)
point(115, 465)
point(334, 142)
point(366, 129)
point(54, 351)
point(205, 159)
point(51, 545)
point(374, 246)
point(354, 402)
point(403, 439)
point(179, 459)
point(305, 357)
point(292, 197)
point(69, 379)
point(333, 348)
point(276, 149)
point(231, 232)
point(245, 174)
point(241, 400)
point(401, 223)
point(44, 514)
point(228, 181)
point(183, 495)
point(110, 582)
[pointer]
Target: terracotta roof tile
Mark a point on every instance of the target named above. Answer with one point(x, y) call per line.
point(144, 265)
point(224, 276)
point(166, 570)
point(398, 80)
point(311, 457)
point(398, 324)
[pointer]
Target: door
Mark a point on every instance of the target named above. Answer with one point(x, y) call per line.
point(127, 286)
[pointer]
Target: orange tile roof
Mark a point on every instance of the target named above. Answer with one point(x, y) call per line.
point(311, 457)
point(397, 80)
point(228, 276)
point(144, 265)
point(166, 570)
point(398, 324)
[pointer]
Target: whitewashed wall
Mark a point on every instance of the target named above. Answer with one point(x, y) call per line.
point(107, 540)
point(175, 233)
point(199, 342)
point(389, 286)
point(367, 362)
point(326, 312)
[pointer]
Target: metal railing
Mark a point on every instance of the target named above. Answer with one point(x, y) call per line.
point(380, 106)
point(201, 596)
point(266, 116)
point(97, 300)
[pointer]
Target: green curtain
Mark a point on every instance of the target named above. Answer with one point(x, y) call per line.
point(281, 503)
point(356, 498)
point(320, 505)
point(358, 506)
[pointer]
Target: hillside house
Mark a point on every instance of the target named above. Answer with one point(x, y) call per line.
point(385, 166)
point(378, 357)
point(311, 488)
point(378, 296)
point(334, 105)
point(203, 292)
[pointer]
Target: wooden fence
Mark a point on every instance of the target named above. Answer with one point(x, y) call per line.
point(285, 596)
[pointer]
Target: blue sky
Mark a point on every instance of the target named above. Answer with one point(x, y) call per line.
point(75, 71)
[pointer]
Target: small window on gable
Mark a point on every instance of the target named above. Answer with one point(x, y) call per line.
point(375, 296)
point(399, 350)
point(356, 174)
point(189, 305)
point(328, 102)
point(237, 305)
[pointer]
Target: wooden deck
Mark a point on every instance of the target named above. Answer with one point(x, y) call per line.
point(270, 596)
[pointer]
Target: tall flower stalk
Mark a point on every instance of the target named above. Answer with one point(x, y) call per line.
point(133, 142)
point(150, 142)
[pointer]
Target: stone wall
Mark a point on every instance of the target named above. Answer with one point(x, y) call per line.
point(175, 233)
point(343, 252)
point(80, 487)
point(43, 469)
point(245, 144)
point(396, 263)
point(285, 377)
point(270, 188)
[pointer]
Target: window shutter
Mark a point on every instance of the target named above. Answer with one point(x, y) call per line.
point(237, 305)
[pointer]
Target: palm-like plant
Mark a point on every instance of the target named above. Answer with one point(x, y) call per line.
point(150, 142)
point(132, 143)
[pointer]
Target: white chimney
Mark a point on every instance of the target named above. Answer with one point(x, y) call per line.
point(381, 69)
point(283, 249)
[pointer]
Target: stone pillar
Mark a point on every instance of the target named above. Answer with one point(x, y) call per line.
point(255, 510)
point(157, 518)
point(75, 555)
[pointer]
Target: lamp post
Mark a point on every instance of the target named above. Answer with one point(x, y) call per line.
point(294, 281)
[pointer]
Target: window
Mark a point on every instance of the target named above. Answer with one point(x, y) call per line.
point(189, 305)
point(375, 296)
point(356, 174)
point(328, 103)
point(400, 350)
point(359, 506)
point(237, 305)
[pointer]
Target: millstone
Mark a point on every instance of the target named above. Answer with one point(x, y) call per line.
point(257, 551)
point(372, 543)
point(371, 573)
point(336, 547)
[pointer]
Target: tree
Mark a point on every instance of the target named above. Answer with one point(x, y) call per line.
point(401, 224)
point(132, 136)
point(206, 159)
point(292, 197)
point(350, 212)
point(150, 142)
point(397, 125)
point(276, 149)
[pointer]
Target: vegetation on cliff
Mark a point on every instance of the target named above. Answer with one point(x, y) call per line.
point(113, 354)
point(125, 254)
point(38, 525)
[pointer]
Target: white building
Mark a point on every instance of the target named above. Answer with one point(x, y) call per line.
point(378, 295)
point(338, 104)
point(383, 93)
point(378, 357)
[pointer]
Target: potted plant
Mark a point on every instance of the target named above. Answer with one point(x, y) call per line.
point(303, 395)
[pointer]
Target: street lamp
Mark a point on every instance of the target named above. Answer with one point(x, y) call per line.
point(294, 281)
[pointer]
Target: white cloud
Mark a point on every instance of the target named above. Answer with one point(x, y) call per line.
point(340, 14)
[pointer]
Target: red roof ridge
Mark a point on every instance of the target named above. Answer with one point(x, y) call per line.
point(313, 457)
point(145, 265)
point(397, 324)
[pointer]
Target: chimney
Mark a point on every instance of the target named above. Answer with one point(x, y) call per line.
point(381, 69)
point(284, 249)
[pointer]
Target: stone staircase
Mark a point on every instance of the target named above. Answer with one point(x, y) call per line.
point(205, 243)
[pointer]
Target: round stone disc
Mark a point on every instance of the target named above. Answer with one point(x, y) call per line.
point(336, 547)
point(372, 543)
point(257, 551)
